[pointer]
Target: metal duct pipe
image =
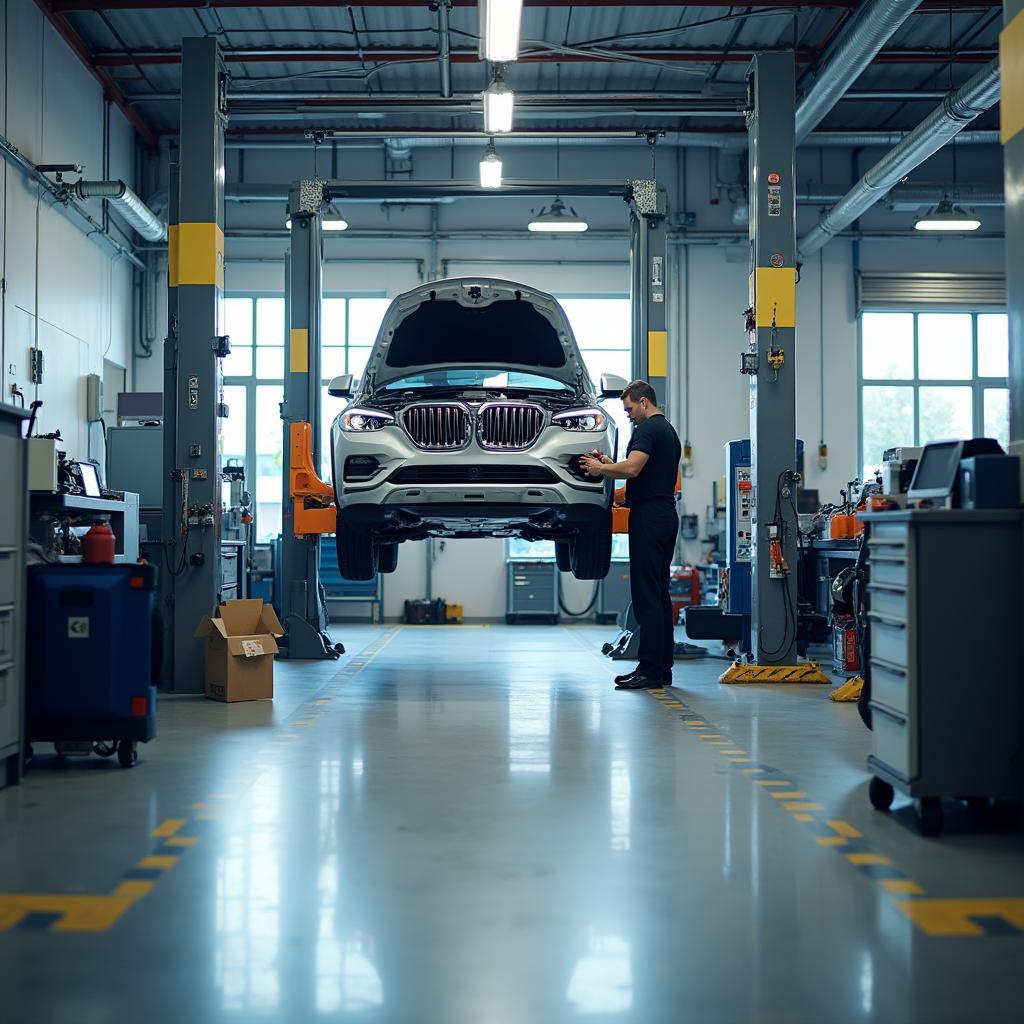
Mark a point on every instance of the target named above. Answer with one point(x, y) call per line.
point(444, 46)
point(958, 109)
point(127, 204)
point(870, 29)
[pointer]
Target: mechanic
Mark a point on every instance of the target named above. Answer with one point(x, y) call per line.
point(650, 470)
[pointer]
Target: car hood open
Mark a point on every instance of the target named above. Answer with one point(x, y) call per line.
point(476, 322)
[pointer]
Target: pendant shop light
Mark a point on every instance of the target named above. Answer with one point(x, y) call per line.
point(490, 168)
point(947, 217)
point(499, 29)
point(556, 219)
point(499, 101)
point(336, 223)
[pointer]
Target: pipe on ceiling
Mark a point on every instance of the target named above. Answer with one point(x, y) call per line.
point(444, 46)
point(956, 111)
point(131, 208)
point(842, 64)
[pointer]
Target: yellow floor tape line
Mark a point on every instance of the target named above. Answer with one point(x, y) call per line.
point(805, 672)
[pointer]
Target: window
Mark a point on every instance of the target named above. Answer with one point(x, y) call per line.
point(931, 377)
point(253, 434)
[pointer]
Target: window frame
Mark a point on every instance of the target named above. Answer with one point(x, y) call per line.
point(978, 385)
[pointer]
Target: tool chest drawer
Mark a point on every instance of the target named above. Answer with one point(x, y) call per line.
point(889, 640)
point(890, 685)
point(889, 567)
point(889, 601)
point(894, 740)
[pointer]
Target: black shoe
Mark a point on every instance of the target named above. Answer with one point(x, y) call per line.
point(627, 675)
point(638, 681)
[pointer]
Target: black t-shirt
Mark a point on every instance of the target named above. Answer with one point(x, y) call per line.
point(657, 480)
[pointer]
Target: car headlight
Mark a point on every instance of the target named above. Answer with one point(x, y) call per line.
point(360, 420)
point(581, 419)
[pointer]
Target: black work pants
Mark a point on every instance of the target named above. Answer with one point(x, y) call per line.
point(653, 526)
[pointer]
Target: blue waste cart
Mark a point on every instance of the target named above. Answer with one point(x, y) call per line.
point(93, 658)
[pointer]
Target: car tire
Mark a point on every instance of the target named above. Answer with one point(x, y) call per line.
point(591, 551)
point(387, 557)
point(563, 555)
point(357, 552)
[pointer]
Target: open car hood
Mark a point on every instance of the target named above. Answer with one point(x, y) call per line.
point(476, 322)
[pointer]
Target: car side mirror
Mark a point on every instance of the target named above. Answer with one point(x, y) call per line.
point(341, 386)
point(612, 385)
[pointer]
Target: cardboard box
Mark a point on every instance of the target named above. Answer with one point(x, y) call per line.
point(240, 647)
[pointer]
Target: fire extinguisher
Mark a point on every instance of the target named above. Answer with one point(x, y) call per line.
point(98, 545)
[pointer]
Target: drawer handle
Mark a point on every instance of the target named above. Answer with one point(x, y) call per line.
point(886, 713)
point(887, 559)
point(887, 588)
point(884, 620)
point(885, 666)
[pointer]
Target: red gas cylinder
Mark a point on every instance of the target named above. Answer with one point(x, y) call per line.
point(98, 545)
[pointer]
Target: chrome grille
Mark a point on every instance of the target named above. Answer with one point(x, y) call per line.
point(437, 428)
point(508, 426)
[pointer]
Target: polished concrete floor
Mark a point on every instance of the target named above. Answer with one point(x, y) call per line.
point(468, 824)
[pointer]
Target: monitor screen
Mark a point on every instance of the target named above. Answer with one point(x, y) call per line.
point(140, 405)
point(90, 479)
point(936, 470)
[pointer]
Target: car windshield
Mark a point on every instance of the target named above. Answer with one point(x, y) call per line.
point(464, 377)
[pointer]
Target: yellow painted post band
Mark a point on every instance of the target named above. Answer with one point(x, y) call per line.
point(1011, 79)
point(657, 355)
point(172, 255)
point(298, 354)
point(775, 292)
point(199, 258)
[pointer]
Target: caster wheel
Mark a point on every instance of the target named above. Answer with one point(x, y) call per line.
point(880, 794)
point(929, 815)
point(127, 754)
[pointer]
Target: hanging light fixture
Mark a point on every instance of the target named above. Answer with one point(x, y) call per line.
point(499, 29)
point(499, 101)
point(490, 168)
point(329, 222)
point(947, 217)
point(555, 218)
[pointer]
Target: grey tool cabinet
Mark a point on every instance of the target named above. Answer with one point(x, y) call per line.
point(947, 693)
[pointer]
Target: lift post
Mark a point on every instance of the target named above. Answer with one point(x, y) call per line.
point(303, 600)
point(770, 363)
point(193, 397)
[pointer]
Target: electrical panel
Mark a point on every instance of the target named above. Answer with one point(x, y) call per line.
point(744, 492)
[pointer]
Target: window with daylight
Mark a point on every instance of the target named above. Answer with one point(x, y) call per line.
point(254, 386)
point(931, 377)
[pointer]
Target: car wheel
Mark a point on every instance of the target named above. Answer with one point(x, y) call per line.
point(387, 557)
point(357, 552)
point(591, 551)
point(563, 555)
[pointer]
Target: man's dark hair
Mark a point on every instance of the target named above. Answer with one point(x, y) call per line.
point(640, 389)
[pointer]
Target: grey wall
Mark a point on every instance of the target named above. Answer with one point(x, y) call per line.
point(64, 291)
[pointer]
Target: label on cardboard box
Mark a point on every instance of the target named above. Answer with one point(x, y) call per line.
point(252, 648)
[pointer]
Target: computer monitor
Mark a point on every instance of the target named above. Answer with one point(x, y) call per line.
point(90, 479)
point(140, 405)
point(937, 475)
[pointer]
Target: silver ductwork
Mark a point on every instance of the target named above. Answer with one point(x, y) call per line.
point(872, 27)
point(128, 205)
point(958, 109)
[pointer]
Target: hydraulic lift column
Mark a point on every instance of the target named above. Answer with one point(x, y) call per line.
point(647, 206)
point(302, 598)
point(770, 360)
point(193, 398)
point(1011, 52)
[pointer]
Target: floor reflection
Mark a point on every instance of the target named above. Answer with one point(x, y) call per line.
point(602, 981)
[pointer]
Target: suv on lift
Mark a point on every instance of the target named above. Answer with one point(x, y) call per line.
point(470, 421)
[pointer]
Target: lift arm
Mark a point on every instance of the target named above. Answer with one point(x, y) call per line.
point(313, 507)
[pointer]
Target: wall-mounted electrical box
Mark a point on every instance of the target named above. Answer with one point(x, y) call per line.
point(93, 397)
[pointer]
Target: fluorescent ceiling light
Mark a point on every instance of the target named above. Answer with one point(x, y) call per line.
point(327, 224)
point(947, 217)
point(499, 29)
point(499, 101)
point(556, 219)
point(490, 168)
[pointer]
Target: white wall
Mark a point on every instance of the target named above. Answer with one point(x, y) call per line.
point(65, 292)
point(709, 397)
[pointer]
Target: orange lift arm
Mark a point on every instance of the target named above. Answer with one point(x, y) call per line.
point(313, 507)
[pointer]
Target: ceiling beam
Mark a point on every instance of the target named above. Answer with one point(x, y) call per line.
point(65, 6)
point(117, 59)
point(111, 90)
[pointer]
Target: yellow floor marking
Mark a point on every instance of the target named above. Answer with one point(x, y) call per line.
point(830, 840)
point(901, 885)
point(771, 782)
point(323, 702)
point(78, 913)
point(305, 721)
point(953, 917)
point(696, 725)
point(717, 743)
point(168, 827)
point(753, 771)
point(803, 807)
point(868, 858)
point(673, 704)
point(200, 807)
point(289, 735)
point(732, 751)
point(157, 861)
point(133, 888)
point(803, 817)
point(789, 795)
point(843, 829)
point(182, 841)
point(713, 736)
point(741, 760)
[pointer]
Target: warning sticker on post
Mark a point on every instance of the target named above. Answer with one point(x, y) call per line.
point(774, 200)
point(252, 648)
